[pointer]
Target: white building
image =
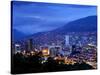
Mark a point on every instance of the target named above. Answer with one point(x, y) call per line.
point(17, 48)
point(66, 40)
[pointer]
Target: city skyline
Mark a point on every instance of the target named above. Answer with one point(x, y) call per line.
point(49, 37)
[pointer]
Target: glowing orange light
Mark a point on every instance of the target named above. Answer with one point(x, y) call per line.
point(45, 52)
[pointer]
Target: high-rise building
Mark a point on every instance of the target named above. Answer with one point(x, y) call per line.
point(53, 52)
point(73, 49)
point(30, 44)
point(66, 40)
point(26, 46)
point(17, 48)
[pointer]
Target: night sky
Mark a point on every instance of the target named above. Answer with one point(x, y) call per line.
point(32, 17)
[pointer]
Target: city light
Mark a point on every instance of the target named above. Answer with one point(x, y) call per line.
point(45, 52)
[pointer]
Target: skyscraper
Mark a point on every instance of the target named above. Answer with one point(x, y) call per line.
point(66, 40)
point(29, 45)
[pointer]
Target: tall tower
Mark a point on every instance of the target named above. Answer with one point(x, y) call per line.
point(73, 49)
point(30, 44)
point(66, 40)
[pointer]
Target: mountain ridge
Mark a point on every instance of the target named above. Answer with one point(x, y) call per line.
point(87, 24)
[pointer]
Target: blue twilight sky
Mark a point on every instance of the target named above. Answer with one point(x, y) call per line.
point(32, 17)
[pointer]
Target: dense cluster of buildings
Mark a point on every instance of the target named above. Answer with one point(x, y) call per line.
point(77, 47)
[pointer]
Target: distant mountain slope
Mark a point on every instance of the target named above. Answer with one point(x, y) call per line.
point(87, 24)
